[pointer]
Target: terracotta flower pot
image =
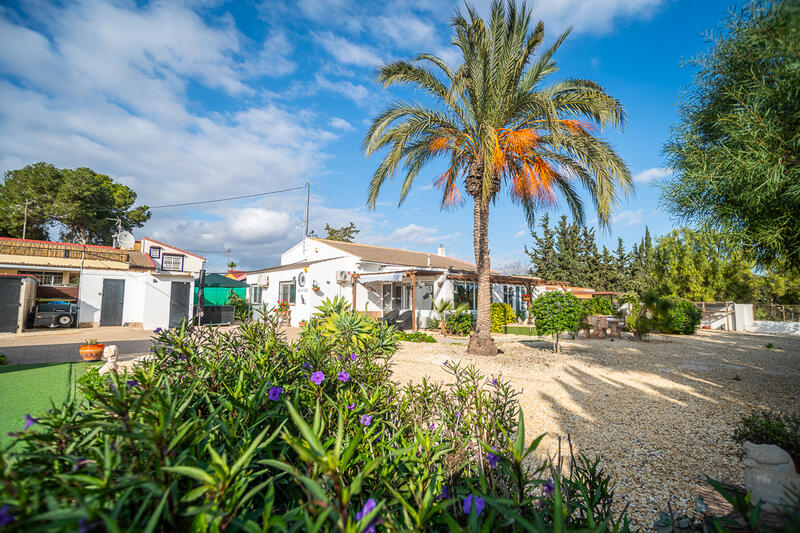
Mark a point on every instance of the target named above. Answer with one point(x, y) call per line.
point(92, 352)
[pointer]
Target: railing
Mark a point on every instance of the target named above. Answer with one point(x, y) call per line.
point(776, 312)
point(63, 251)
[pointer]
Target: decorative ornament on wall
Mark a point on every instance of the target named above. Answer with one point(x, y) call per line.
point(301, 279)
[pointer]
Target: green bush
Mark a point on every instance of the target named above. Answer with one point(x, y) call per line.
point(767, 427)
point(460, 323)
point(416, 336)
point(241, 307)
point(91, 382)
point(3, 359)
point(243, 431)
point(432, 324)
point(597, 307)
point(556, 312)
point(678, 316)
point(502, 314)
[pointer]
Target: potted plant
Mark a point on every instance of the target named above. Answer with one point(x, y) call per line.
point(315, 286)
point(302, 323)
point(92, 350)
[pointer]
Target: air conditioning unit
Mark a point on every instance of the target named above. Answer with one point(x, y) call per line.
point(263, 280)
point(343, 276)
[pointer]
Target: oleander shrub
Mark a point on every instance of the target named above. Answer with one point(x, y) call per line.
point(501, 314)
point(556, 312)
point(415, 336)
point(678, 316)
point(244, 431)
point(770, 427)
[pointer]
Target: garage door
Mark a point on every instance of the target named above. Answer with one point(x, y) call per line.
point(9, 304)
point(179, 303)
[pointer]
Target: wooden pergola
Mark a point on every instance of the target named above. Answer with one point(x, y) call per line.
point(526, 281)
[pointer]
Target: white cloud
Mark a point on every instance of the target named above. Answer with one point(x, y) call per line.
point(414, 237)
point(274, 57)
point(347, 51)
point(407, 31)
point(629, 217)
point(520, 233)
point(354, 91)
point(341, 124)
point(653, 174)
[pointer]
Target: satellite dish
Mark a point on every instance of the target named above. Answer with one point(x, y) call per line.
point(126, 240)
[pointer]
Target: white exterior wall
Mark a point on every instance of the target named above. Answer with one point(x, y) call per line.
point(146, 300)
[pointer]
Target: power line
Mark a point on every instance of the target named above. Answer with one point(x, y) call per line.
point(228, 199)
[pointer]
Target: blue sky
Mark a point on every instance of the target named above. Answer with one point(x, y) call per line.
point(195, 100)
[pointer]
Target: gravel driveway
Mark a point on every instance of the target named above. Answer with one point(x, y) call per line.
point(660, 413)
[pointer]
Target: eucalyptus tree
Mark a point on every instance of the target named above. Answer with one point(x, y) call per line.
point(498, 124)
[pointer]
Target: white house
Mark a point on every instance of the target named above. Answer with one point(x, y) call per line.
point(385, 282)
point(168, 258)
point(159, 293)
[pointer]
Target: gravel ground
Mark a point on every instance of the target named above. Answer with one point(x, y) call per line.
point(660, 413)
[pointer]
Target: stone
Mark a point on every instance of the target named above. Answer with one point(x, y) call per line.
point(769, 472)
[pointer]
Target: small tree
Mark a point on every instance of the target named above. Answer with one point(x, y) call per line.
point(556, 312)
point(344, 234)
point(441, 308)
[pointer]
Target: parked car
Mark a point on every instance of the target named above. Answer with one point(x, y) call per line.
point(58, 314)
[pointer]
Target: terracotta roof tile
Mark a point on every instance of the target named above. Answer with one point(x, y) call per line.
point(396, 256)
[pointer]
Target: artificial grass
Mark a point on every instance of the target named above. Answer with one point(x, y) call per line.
point(520, 330)
point(32, 389)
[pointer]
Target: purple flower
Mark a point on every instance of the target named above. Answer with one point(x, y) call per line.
point(132, 383)
point(317, 377)
point(446, 361)
point(431, 427)
point(29, 421)
point(477, 501)
point(6, 516)
point(275, 393)
point(548, 488)
point(492, 458)
point(306, 365)
point(366, 420)
point(494, 382)
point(351, 406)
point(343, 376)
point(444, 494)
point(157, 330)
point(353, 357)
point(368, 508)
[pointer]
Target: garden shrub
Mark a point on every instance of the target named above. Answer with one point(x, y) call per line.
point(415, 336)
point(556, 312)
point(597, 307)
point(768, 427)
point(244, 431)
point(460, 323)
point(678, 316)
point(241, 307)
point(502, 314)
point(3, 359)
point(432, 324)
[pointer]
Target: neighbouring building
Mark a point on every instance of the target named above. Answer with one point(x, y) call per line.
point(149, 286)
point(400, 286)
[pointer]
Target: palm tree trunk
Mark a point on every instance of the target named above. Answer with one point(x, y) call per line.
point(481, 343)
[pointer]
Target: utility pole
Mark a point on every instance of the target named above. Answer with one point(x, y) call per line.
point(308, 204)
point(25, 219)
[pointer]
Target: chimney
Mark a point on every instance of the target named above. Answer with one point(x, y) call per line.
point(429, 260)
point(441, 250)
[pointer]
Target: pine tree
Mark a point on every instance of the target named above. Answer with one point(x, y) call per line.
point(543, 255)
point(590, 258)
point(607, 278)
point(568, 249)
point(620, 262)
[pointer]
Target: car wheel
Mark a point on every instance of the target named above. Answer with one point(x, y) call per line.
point(64, 320)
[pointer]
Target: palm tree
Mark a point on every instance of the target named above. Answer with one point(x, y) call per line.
point(498, 124)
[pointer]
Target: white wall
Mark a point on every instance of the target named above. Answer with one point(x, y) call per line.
point(146, 299)
point(743, 317)
point(776, 328)
point(191, 263)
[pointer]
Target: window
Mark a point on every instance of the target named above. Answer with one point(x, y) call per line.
point(508, 294)
point(464, 293)
point(256, 294)
point(172, 262)
point(287, 292)
point(45, 278)
point(155, 251)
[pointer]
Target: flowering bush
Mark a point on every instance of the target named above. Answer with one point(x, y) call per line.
point(282, 307)
point(244, 431)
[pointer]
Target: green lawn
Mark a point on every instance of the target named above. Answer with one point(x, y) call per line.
point(30, 389)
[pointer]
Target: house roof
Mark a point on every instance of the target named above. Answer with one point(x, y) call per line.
point(290, 266)
point(31, 252)
point(396, 256)
point(173, 247)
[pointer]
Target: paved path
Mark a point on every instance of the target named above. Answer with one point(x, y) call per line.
point(60, 346)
